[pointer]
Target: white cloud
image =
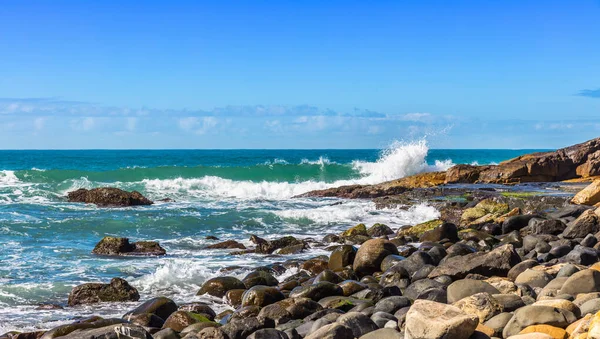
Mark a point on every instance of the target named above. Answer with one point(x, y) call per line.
point(38, 123)
point(131, 124)
point(416, 117)
point(197, 125)
point(83, 124)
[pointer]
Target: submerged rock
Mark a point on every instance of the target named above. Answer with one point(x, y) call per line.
point(108, 197)
point(117, 290)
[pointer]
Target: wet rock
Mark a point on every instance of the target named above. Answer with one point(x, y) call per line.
point(199, 308)
point(160, 306)
point(416, 261)
point(122, 246)
point(390, 261)
point(108, 197)
point(328, 275)
point(242, 328)
point(517, 222)
point(146, 320)
point(181, 319)
point(370, 255)
point(341, 257)
point(228, 244)
point(261, 296)
point(117, 290)
point(379, 230)
point(496, 262)
point(315, 265)
point(117, 331)
point(80, 325)
point(259, 278)
point(444, 231)
point(427, 319)
point(218, 286)
point(359, 229)
point(317, 291)
point(342, 303)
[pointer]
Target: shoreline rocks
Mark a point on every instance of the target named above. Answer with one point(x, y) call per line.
point(108, 197)
point(117, 290)
point(112, 246)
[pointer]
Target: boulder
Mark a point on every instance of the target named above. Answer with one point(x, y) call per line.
point(331, 331)
point(588, 222)
point(219, 286)
point(537, 315)
point(467, 287)
point(370, 255)
point(444, 231)
point(589, 195)
point(242, 328)
point(584, 281)
point(481, 305)
point(261, 296)
point(179, 320)
point(116, 331)
point(341, 257)
point(108, 197)
point(359, 323)
point(379, 230)
point(317, 291)
point(496, 262)
point(121, 246)
point(227, 244)
point(359, 229)
point(160, 306)
point(117, 290)
point(432, 320)
point(383, 333)
point(268, 333)
point(533, 278)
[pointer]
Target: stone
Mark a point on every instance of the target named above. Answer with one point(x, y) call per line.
point(414, 290)
point(370, 255)
point(211, 333)
point(358, 323)
point(560, 303)
point(219, 286)
point(581, 256)
point(495, 262)
point(517, 222)
point(588, 222)
point(268, 333)
point(117, 290)
point(533, 278)
point(199, 308)
point(444, 231)
point(467, 287)
point(537, 315)
point(108, 197)
point(509, 302)
point(342, 303)
point(552, 331)
point(379, 230)
point(121, 246)
point(331, 331)
point(261, 296)
point(520, 268)
point(228, 244)
point(242, 328)
point(391, 304)
point(181, 319)
point(341, 257)
point(416, 261)
point(545, 226)
point(419, 229)
point(384, 333)
point(382, 318)
point(432, 320)
point(498, 322)
point(259, 277)
point(584, 281)
point(481, 305)
point(160, 306)
point(589, 195)
point(317, 291)
point(115, 331)
point(590, 307)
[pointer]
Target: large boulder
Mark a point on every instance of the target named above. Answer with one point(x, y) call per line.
point(117, 290)
point(496, 262)
point(537, 315)
point(219, 286)
point(370, 255)
point(432, 320)
point(341, 257)
point(108, 197)
point(122, 246)
point(587, 223)
point(589, 195)
point(160, 306)
point(585, 281)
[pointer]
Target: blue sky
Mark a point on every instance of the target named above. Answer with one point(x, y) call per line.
point(298, 74)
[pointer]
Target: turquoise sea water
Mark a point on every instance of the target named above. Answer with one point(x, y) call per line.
point(46, 241)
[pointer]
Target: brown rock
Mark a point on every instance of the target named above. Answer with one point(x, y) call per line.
point(589, 195)
point(117, 290)
point(108, 197)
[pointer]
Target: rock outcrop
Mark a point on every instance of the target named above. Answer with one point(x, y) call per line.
point(122, 246)
point(577, 161)
point(108, 197)
point(117, 290)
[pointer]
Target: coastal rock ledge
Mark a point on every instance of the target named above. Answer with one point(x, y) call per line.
point(108, 197)
point(573, 162)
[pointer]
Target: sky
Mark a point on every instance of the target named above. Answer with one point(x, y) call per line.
point(298, 74)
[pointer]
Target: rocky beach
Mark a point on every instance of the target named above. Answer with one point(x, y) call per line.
point(512, 253)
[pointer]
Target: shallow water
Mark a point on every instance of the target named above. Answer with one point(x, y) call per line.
point(46, 241)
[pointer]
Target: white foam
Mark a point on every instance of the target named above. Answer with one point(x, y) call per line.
point(8, 178)
point(322, 161)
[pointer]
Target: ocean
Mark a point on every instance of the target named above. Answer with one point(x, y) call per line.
point(46, 241)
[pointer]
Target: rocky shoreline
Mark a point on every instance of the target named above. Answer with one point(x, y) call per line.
point(500, 262)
